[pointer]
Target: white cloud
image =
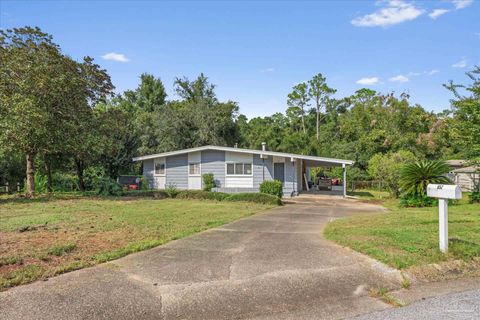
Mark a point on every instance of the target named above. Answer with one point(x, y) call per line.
point(460, 64)
point(437, 13)
point(395, 12)
point(461, 4)
point(368, 81)
point(113, 56)
point(267, 70)
point(429, 73)
point(400, 79)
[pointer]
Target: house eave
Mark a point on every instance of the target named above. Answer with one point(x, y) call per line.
point(262, 154)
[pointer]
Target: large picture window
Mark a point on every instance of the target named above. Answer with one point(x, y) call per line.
point(239, 168)
point(159, 168)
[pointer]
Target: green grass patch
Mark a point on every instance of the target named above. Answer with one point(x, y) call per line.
point(60, 250)
point(20, 276)
point(9, 260)
point(406, 237)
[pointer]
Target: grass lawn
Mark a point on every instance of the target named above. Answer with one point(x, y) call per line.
point(406, 237)
point(47, 236)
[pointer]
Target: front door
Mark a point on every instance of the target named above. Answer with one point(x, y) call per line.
point(279, 171)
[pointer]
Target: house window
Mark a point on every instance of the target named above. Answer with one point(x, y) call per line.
point(194, 168)
point(159, 168)
point(247, 168)
point(239, 168)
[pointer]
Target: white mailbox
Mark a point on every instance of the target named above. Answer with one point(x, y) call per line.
point(443, 192)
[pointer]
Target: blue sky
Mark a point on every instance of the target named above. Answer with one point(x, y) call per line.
point(256, 51)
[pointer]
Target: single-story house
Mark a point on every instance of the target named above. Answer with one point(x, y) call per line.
point(463, 175)
point(234, 169)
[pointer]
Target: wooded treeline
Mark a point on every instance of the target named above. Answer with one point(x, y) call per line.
point(60, 118)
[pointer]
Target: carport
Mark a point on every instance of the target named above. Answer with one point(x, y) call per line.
point(308, 163)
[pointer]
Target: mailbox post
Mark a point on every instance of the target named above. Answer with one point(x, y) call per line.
point(443, 192)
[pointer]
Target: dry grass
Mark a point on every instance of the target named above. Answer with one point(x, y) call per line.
point(47, 236)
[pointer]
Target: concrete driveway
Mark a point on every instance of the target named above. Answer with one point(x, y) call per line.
point(274, 265)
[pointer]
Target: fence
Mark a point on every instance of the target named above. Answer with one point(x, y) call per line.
point(8, 188)
point(368, 184)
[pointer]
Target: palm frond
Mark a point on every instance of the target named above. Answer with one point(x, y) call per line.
point(416, 176)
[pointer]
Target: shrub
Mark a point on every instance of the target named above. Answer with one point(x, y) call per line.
point(91, 175)
point(64, 182)
point(417, 201)
point(41, 183)
point(208, 181)
point(273, 187)
point(144, 183)
point(108, 187)
point(475, 195)
point(202, 195)
point(416, 176)
point(157, 194)
point(171, 190)
point(255, 197)
point(387, 169)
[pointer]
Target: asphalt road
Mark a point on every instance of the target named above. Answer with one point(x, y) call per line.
point(274, 265)
point(458, 306)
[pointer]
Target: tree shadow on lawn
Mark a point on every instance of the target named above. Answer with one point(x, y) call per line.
point(47, 197)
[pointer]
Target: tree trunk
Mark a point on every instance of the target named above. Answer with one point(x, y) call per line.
point(80, 167)
point(48, 172)
point(30, 174)
point(318, 122)
point(303, 121)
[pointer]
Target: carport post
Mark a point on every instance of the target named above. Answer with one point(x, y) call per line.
point(344, 180)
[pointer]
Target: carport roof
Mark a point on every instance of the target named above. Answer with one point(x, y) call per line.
point(320, 160)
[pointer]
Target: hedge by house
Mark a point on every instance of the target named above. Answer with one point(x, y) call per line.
point(220, 196)
point(255, 197)
point(202, 195)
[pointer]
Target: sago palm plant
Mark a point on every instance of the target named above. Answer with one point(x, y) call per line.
point(416, 176)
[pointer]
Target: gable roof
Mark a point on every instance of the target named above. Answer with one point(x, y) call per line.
point(250, 151)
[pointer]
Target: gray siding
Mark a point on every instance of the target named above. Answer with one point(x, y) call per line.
point(177, 171)
point(259, 168)
point(213, 161)
point(148, 169)
point(299, 176)
point(148, 172)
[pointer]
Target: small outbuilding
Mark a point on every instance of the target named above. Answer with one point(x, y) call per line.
point(464, 175)
point(234, 169)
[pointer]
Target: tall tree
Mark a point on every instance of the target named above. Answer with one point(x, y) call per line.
point(320, 92)
point(195, 91)
point(298, 98)
point(31, 71)
point(149, 95)
point(465, 123)
point(42, 92)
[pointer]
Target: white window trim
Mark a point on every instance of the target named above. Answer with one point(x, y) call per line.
point(155, 174)
point(238, 175)
point(195, 174)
